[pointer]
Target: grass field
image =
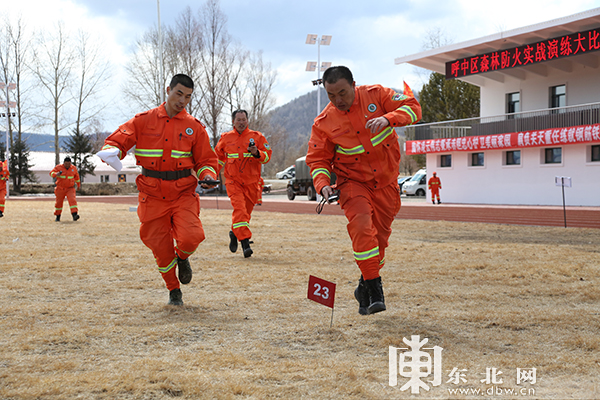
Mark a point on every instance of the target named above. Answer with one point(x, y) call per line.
point(83, 310)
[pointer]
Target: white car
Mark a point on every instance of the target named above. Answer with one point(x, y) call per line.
point(417, 185)
point(287, 173)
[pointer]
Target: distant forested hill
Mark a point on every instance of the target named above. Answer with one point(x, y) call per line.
point(37, 141)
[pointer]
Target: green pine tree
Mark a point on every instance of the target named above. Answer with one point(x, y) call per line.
point(448, 99)
point(80, 145)
point(20, 169)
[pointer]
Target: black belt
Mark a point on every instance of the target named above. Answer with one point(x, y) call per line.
point(167, 175)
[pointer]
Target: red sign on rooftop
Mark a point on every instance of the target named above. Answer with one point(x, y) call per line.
point(534, 53)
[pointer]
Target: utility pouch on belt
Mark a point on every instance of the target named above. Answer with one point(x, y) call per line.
point(167, 175)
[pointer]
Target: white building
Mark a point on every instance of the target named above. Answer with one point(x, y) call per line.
point(540, 116)
point(43, 162)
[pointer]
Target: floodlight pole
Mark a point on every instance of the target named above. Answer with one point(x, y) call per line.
point(7, 86)
point(324, 40)
point(162, 64)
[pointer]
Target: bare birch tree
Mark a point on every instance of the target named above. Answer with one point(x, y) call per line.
point(52, 67)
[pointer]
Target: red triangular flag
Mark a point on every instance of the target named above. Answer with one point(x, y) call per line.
point(408, 91)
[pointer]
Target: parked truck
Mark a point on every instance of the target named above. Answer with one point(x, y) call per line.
point(302, 183)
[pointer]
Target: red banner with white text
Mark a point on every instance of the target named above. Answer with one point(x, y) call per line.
point(515, 140)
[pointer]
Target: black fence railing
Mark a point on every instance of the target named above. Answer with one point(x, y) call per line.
point(518, 122)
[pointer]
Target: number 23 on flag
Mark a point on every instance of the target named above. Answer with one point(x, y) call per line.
point(321, 291)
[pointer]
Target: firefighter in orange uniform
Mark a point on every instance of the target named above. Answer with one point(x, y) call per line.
point(435, 185)
point(354, 137)
point(242, 152)
point(4, 175)
point(174, 151)
point(67, 177)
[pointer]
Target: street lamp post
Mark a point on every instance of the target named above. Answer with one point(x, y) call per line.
point(324, 40)
point(6, 87)
point(160, 51)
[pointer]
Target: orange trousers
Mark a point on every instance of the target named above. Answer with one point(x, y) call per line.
point(370, 213)
point(60, 194)
point(243, 197)
point(435, 192)
point(170, 229)
point(2, 195)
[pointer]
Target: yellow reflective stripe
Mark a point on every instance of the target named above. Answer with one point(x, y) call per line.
point(381, 136)
point(266, 158)
point(355, 150)
point(72, 207)
point(365, 255)
point(410, 112)
point(183, 251)
point(221, 163)
point(232, 155)
point(382, 261)
point(241, 224)
point(248, 155)
point(180, 154)
point(207, 168)
point(148, 152)
point(69, 177)
point(320, 171)
point(164, 270)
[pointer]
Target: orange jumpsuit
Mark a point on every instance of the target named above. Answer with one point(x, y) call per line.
point(366, 166)
point(435, 185)
point(4, 175)
point(168, 206)
point(242, 175)
point(66, 179)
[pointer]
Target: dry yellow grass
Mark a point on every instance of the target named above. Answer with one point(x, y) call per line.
point(83, 309)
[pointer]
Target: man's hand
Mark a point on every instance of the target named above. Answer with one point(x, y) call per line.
point(253, 149)
point(326, 192)
point(377, 124)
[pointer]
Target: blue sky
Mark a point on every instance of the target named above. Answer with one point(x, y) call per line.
point(367, 35)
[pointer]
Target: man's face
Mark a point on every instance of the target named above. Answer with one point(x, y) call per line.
point(341, 94)
point(67, 164)
point(240, 122)
point(178, 98)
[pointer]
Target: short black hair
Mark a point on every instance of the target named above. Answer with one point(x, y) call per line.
point(67, 159)
point(334, 74)
point(238, 111)
point(183, 79)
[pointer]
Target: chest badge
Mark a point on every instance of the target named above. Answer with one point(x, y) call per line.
point(372, 107)
point(189, 131)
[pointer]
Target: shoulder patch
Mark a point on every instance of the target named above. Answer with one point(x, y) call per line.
point(399, 97)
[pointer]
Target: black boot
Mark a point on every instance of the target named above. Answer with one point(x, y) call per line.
point(175, 298)
point(246, 246)
point(361, 294)
point(57, 219)
point(185, 270)
point(1, 214)
point(75, 216)
point(232, 242)
point(375, 290)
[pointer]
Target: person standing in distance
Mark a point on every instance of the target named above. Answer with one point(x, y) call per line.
point(67, 177)
point(354, 137)
point(242, 152)
point(174, 151)
point(4, 175)
point(435, 185)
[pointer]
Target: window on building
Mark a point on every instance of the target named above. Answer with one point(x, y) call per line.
point(446, 160)
point(596, 152)
point(553, 155)
point(477, 159)
point(558, 96)
point(513, 103)
point(104, 178)
point(513, 157)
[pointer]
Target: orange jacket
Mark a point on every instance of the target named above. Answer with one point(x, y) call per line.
point(4, 174)
point(435, 183)
point(239, 163)
point(66, 178)
point(166, 144)
point(339, 141)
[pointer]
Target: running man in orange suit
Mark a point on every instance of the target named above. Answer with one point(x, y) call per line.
point(4, 175)
point(67, 177)
point(242, 152)
point(354, 137)
point(435, 185)
point(174, 151)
